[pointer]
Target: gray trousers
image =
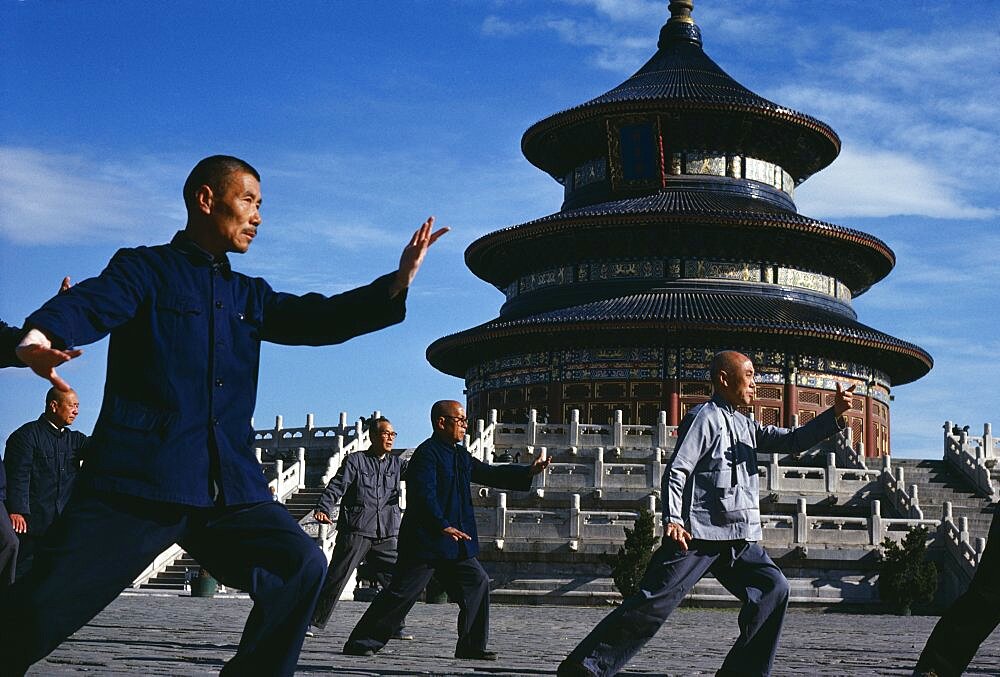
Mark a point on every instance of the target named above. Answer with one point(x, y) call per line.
point(379, 554)
point(743, 568)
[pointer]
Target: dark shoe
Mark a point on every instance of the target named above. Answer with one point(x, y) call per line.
point(355, 650)
point(476, 655)
point(570, 668)
point(401, 635)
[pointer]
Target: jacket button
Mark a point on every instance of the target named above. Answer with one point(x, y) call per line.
point(218, 382)
point(218, 304)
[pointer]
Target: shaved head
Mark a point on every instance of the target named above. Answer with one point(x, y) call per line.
point(733, 378)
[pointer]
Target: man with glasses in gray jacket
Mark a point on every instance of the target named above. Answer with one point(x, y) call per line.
point(367, 486)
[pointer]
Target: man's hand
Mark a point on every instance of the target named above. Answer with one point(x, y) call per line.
point(539, 465)
point(65, 285)
point(36, 351)
point(413, 255)
point(455, 534)
point(678, 534)
point(19, 523)
point(843, 400)
point(321, 516)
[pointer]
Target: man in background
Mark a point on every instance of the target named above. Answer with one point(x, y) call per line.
point(42, 460)
point(711, 523)
point(438, 538)
point(367, 488)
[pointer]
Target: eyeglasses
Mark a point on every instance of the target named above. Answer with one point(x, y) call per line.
point(460, 420)
point(387, 433)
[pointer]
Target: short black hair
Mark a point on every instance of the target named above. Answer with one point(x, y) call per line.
point(213, 172)
point(373, 425)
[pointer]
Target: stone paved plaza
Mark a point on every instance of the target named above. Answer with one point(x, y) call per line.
point(179, 635)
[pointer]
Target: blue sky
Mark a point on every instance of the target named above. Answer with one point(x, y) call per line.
point(364, 118)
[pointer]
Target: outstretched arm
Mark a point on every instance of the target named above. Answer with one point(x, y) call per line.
point(36, 351)
point(413, 255)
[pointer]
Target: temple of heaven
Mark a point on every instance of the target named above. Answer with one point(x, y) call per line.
point(678, 237)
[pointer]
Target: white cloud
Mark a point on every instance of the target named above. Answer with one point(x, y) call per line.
point(874, 182)
point(49, 198)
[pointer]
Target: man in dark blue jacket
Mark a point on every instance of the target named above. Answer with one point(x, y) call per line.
point(438, 537)
point(42, 460)
point(9, 338)
point(170, 458)
point(367, 487)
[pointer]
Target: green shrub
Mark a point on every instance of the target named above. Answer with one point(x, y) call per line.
point(628, 566)
point(904, 575)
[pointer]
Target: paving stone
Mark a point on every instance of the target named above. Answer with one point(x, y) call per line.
point(180, 635)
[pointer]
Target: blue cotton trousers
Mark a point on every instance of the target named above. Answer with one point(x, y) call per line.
point(743, 568)
point(102, 542)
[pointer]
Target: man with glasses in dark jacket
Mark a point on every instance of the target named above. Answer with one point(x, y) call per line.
point(367, 487)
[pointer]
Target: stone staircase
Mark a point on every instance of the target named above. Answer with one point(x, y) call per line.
point(937, 482)
point(174, 576)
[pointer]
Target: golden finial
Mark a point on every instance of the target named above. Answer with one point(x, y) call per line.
point(680, 11)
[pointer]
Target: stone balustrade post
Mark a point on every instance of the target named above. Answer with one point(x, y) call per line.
point(574, 428)
point(279, 467)
point(302, 467)
point(656, 481)
point(342, 422)
point(773, 474)
point(887, 464)
point(832, 476)
point(618, 430)
point(963, 440)
point(338, 445)
point(501, 518)
point(915, 510)
point(988, 441)
point(794, 421)
point(801, 521)
point(660, 438)
point(599, 468)
point(278, 422)
point(359, 431)
point(324, 532)
point(575, 518)
point(963, 529)
point(543, 477)
point(876, 528)
point(259, 453)
point(980, 549)
point(533, 426)
point(651, 507)
point(309, 421)
point(493, 417)
point(947, 433)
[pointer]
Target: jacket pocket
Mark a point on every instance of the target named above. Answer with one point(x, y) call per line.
point(137, 416)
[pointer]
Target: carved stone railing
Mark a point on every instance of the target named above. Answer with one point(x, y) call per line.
point(602, 531)
point(904, 501)
point(974, 457)
point(575, 434)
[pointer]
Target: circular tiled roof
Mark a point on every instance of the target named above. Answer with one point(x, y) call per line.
point(685, 317)
point(495, 257)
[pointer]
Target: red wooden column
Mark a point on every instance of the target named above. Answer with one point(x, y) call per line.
point(870, 449)
point(673, 402)
point(791, 405)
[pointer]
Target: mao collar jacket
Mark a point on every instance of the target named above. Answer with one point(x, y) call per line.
point(183, 361)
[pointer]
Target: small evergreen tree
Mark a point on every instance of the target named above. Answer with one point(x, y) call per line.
point(904, 575)
point(628, 566)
